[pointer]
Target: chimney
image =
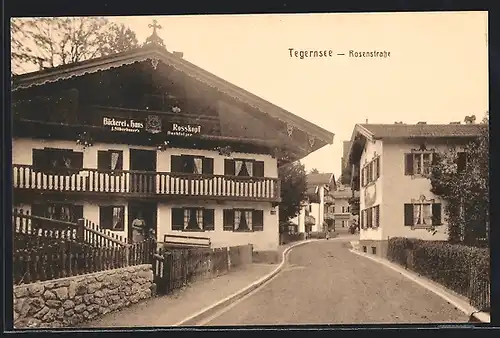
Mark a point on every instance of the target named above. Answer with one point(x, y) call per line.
point(366, 121)
point(178, 54)
point(421, 122)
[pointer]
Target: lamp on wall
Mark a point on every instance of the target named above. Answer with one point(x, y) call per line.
point(163, 146)
point(225, 151)
point(85, 140)
point(273, 210)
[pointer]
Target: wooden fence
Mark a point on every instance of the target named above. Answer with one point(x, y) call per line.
point(175, 268)
point(46, 249)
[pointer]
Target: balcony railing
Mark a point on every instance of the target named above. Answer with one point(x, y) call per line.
point(147, 183)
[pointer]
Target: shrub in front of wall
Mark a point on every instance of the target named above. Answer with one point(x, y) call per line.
point(317, 235)
point(455, 266)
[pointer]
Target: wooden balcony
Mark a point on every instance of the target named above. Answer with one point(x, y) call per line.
point(131, 183)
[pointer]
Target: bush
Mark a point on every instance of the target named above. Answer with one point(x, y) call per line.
point(288, 238)
point(460, 268)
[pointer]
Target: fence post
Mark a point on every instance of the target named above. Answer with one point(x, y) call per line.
point(80, 229)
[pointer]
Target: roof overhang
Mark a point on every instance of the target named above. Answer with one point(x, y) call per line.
point(157, 54)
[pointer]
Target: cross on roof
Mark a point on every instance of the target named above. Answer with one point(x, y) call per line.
point(154, 38)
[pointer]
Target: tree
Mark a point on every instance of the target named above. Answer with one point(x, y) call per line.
point(52, 41)
point(465, 191)
point(314, 171)
point(293, 190)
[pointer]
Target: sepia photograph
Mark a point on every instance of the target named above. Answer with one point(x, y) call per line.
point(250, 170)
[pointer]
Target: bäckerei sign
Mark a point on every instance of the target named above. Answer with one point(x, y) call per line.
point(178, 129)
point(123, 125)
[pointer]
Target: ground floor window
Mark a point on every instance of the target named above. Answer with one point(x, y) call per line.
point(243, 220)
point(60, 211)
point(422, 214)
point(112, 217)
point(193, 219)
point(370, 217)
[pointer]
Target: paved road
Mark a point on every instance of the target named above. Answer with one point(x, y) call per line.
point(324, 283)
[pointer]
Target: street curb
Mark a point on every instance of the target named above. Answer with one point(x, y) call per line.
point(453, 300)
point(193, 319)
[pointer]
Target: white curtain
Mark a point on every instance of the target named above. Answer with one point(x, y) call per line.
point(237, 167)
point(426, 214)
point(248, 217)
point(199, 218)
point(249, 165)
point(116, 218)
point(187, 217)
point(237, 218)
point(67, 162)
point(114, 160)
point(198, 166)
point(417, 213)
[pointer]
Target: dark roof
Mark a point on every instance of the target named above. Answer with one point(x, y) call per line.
point(319, 179)
point(423, 130)
point(153, 52)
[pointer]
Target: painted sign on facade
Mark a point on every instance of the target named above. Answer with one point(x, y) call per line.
point(123, 124)
point(178, 129)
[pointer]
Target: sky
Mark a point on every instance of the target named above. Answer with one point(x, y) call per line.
point(437, 70)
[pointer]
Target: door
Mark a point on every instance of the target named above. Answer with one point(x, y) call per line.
point(145, 210)
point(143, 171)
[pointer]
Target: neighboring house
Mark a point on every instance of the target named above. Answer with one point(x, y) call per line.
point(392, 162)
point(342, 214)
point(318, 201)
point(145, 132)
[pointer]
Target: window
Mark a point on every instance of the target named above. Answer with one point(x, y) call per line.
point(422, 214)
point(419, 163)
point(243, 167)
point(112, 217)
point(109, 160)
point(370, 217)
point(348, 209)
point(243, 220)
point(192, 164)
point(60, 211)
point(52, 160)
point(461, 161)
point(370, 172)
point(193, 219)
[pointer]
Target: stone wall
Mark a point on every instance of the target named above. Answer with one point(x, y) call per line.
point(69, 301)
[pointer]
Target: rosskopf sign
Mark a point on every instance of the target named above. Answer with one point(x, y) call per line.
point(179, 129)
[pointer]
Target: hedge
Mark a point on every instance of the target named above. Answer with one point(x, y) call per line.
point(321, 235)
point(463, 269)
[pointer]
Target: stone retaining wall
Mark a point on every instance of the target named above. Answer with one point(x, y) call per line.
point(69, 301)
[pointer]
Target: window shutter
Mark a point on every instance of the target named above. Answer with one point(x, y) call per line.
point(409, 214)
point(370, 172)
point(103, 160)
point(40, 160)
point(77, 213)
point(77, 160)
point(435, 159)
point(377, 166)
point(363, 177)
point(461, 161)
point(258, 220)
point(258, 169)
point(208, 166)
point(208, 219)
point(377, 216)
point(229, 167)
point(408, 164)
point(228, 220)
point(436, 214)
point(369, 217)
point(361, 219)
point(175, 164)
point(177, 219)
point(105, 217)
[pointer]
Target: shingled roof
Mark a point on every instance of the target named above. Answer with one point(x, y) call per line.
point(319, 179)
point(380, 131)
